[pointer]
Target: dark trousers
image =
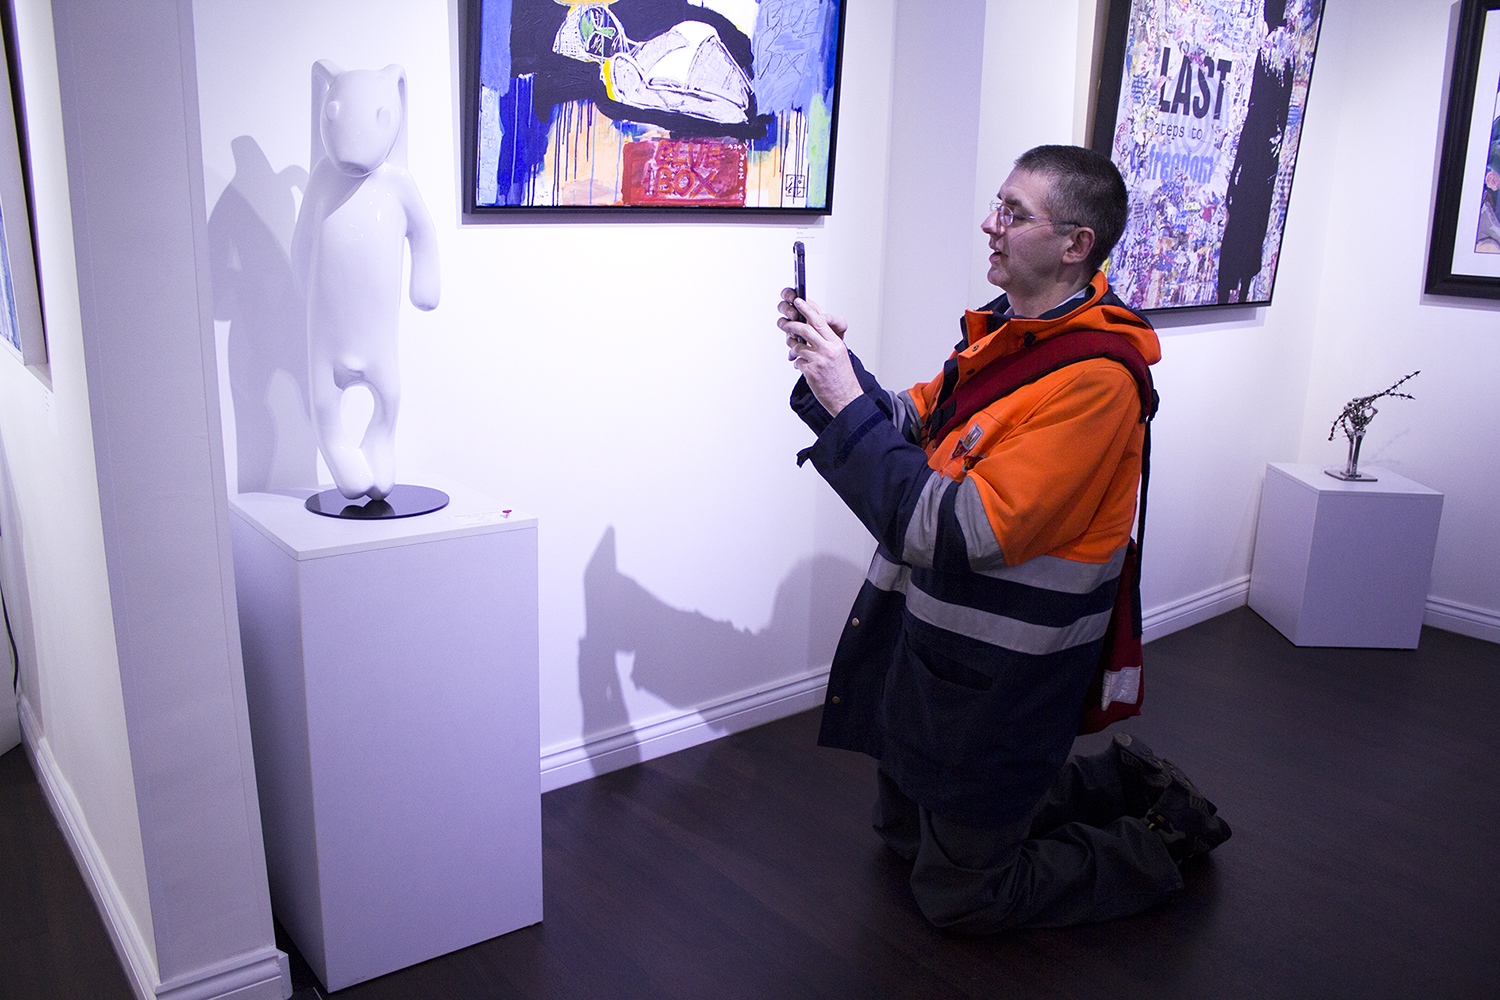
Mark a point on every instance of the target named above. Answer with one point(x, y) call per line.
point(1078, 858)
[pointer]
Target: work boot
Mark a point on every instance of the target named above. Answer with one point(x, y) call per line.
point(1145, 776)
point(1186, 822)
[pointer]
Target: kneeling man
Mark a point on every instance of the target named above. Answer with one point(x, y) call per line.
point(1002, 526)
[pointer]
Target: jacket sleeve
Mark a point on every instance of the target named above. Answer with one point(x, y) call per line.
point(899, 407)
point(873, 468)
point(1037, 488)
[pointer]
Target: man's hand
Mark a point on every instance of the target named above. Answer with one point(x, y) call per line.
point(815, 348)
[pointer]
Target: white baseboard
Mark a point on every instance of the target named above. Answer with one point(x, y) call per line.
point(596, 757)
point(1465, 619)
point(124, 932)
point(261, 975)
point(1200, 607)
point(609, 753)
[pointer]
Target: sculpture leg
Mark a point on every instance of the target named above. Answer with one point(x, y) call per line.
point(351, 472)
point(379, 444)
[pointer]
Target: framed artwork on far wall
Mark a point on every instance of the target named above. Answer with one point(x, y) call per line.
point(1464, 257)
point(1200, 105)
point(21, 329)
point(651, 105)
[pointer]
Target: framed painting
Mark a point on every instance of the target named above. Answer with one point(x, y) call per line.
point(1200, 105)
point(1464, 256)
point(21, 327)
point(652, 105)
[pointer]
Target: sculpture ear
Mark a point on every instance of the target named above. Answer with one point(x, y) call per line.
point(397, 74)
point(324, 72)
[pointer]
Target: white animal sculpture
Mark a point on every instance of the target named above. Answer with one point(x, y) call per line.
point(360, 210)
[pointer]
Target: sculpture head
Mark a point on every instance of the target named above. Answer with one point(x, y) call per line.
point(359, 116)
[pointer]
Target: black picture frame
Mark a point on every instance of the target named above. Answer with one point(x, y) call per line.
point(22, 327)
point(1200, 105)
point(648, 161)
point(1462, 193)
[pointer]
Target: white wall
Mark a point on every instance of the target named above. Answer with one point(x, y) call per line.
point(1231, 381)
point(116, 517)
point(1241, 387)
point(938, 90)
point(10, 724)
point(70, 675)
point(1374, 324)
point(623, 380)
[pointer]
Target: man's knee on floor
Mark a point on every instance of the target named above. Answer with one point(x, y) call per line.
point(966, 902)
point(966, 878)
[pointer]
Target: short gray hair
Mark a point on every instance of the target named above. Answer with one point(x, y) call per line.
point(1086, 190)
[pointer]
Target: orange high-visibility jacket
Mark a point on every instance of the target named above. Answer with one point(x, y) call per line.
point(963, 664)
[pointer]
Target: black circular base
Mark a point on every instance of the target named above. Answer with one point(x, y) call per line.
point(403, 501)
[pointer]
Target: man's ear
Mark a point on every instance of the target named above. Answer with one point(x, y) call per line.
point(1080, 245)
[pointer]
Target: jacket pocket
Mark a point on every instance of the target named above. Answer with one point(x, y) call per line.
point(944, 667)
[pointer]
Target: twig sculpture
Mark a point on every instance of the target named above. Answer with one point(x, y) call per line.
point(1354, 420)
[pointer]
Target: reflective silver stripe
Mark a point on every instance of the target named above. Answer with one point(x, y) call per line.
point(1053, 573)
point(979, 535)
point(922, 529)
point(1122, 685)
point(987, 627)
point(1007, 633)
point(886, 575)
point(908, 421)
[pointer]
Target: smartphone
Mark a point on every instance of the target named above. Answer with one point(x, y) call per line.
point(799, 277)
point(799, 269)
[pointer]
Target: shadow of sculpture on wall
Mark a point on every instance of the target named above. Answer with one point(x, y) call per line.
point(690, 660)
point(250, 238)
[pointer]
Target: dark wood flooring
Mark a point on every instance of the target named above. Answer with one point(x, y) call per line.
point(52, 942)
point(1363, 787)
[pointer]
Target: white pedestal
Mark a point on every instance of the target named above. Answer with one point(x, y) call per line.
point(391, 674)
point(1344, 564)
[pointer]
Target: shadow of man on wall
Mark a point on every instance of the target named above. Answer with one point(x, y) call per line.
point(250, 238)
point(690, 660)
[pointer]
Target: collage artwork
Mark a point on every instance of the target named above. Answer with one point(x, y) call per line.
point(1206, 135)
point(720, 104)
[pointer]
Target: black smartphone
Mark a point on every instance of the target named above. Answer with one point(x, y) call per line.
point(799, 277)
point(799, 269)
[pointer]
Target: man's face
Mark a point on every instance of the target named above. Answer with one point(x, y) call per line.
point(1024, 256)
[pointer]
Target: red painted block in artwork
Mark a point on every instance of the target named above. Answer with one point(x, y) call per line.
point(706, 172)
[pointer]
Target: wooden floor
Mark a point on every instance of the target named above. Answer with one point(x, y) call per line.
point(1361, 785)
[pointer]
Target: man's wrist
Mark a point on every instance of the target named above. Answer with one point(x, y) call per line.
point(836, 403)
point(839, 395)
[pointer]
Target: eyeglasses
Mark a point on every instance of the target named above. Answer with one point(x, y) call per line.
point(1009, 217)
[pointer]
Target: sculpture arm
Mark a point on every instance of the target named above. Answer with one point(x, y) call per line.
point(426, 276)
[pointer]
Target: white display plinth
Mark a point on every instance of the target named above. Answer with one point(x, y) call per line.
point(1344, 563)
point(391, 674)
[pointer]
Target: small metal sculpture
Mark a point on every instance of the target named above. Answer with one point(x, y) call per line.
point(1355, 419)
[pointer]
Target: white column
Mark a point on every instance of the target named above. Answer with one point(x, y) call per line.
point(130, 120)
